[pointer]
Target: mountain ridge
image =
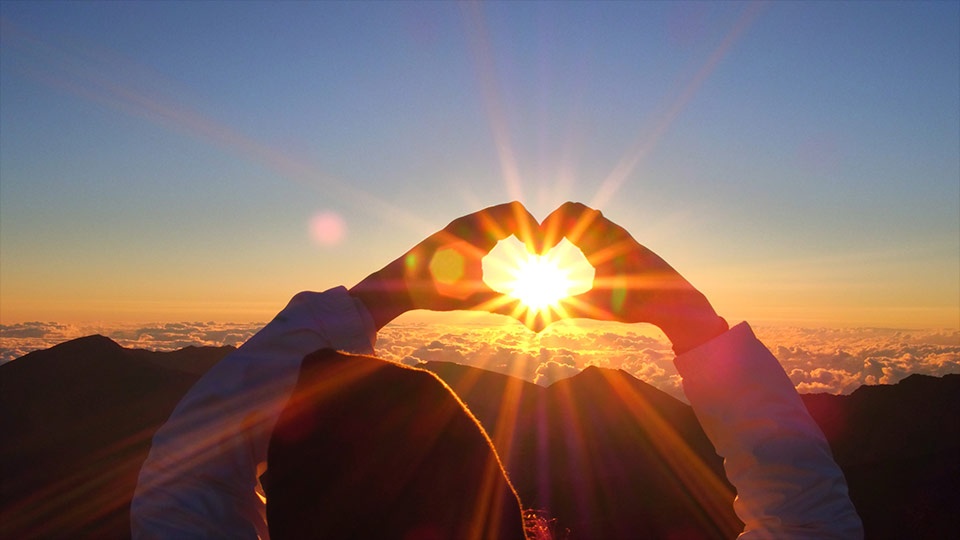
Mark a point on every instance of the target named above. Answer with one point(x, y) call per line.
point(601, 451)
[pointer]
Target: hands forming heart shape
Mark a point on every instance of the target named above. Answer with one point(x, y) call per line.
point(540, 281)
point(631, 283)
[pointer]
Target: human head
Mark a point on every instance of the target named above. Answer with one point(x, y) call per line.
point(370, 449)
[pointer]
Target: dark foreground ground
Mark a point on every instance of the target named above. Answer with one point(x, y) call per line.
point(604, 454)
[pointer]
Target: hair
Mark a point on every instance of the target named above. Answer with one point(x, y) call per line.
point(371, 449)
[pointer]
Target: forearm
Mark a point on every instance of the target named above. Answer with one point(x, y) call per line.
point(202, 467)
point(311, 321)
point(788, 485)
point(384, 294)
point(689, 321)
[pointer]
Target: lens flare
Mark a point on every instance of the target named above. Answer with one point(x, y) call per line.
point(539, 282)
point(328, 228)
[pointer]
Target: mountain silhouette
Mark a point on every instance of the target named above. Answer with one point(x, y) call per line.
point(899, 448)
point(77, 420)
point(603, 454)
point(606, 455)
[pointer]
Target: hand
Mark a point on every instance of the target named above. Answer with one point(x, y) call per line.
point(632, 284)
point(444, 272)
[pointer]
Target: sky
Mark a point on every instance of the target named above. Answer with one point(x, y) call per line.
point(163, 161)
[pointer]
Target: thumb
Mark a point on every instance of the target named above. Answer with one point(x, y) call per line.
point(502, 304)
point(593, 304)
point(494, 302)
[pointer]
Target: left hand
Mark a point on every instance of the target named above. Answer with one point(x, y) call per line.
point(444, 271)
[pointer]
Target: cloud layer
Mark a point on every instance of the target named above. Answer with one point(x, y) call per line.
point(17, 340)
point(816, 359)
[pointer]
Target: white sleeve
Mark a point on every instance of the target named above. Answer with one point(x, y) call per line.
point(788, 485)
point(200, 479)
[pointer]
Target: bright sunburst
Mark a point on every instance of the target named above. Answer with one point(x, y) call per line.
point(540, 282)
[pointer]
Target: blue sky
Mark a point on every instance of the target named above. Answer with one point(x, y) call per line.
point(799, 162)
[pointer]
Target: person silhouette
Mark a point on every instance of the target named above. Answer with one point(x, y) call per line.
point(282, 387)
point(367, 448)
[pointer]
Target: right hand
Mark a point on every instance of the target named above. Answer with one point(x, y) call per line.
point(632, 284)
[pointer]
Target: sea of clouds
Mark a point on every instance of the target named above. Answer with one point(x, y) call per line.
point(17, 340)
point(829, 360)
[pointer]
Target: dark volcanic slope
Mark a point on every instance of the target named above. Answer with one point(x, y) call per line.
point(608, 454)
point(899, 447)
point(605, 454)
point(77, 421)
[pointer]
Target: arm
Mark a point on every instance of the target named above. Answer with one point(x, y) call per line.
point(631, 284)
point(788, 485)
point(200, 479)
point(787, 482)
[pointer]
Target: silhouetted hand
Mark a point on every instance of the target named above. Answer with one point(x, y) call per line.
point(444, 272)
point(632, 284)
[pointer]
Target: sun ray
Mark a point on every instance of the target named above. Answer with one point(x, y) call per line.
point(646, 141)
point(88, 70)
point(479, 42)
point(540, 283)
point(709, 490)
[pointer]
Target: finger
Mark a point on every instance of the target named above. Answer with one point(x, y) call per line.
point(510, 219)
point(537, 320)
point(501, 304)
point(570, 220)
point(488, 226)
point(595, 235)
point(593, 304)
point(537, 324)
point(542, 318)
point(498, 303)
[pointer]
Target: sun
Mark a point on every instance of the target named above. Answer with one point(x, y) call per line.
point(539, 282)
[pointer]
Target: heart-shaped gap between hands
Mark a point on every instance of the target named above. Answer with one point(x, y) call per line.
point(539, 282)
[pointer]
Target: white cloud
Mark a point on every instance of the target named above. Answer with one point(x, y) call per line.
point(550, 372)
point(817, 360)
point(841, 360)
point(17, 340)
